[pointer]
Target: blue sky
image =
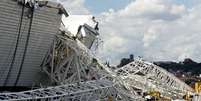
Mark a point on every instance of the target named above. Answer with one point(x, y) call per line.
point(188, 3)
point(157, 30)
point(98, 6)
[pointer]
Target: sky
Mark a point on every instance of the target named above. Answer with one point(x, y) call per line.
point(157, 30)
point(99, 6)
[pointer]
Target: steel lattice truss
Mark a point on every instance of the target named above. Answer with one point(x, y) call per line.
point(73, 62)
point(147, 76)
point(77, 75)
point(66, 63)
point(83, 91)
point(82, 77)
point(69, 61)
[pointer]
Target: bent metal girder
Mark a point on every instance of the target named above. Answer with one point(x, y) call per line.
point(70, 61)
point(70, 64)
point(83, 91)
point(146, 76)
point(75, 83)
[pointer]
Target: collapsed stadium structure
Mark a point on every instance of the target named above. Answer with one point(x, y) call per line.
point(41, 60)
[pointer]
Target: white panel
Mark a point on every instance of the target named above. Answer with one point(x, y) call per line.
point(46, 23)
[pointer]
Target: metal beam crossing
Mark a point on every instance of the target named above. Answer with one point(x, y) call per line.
point(82, 77)
point(83, 91)
point(147, 76)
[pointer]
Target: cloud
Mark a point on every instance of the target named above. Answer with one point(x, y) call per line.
point(74, 7)
point(154, 29)
point(154, 9)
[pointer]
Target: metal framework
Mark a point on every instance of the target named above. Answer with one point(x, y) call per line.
point(71, 62)
point(77, 75)
point(83, 91)
point(147, 76)
point(68, 62)
point(80, 76)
